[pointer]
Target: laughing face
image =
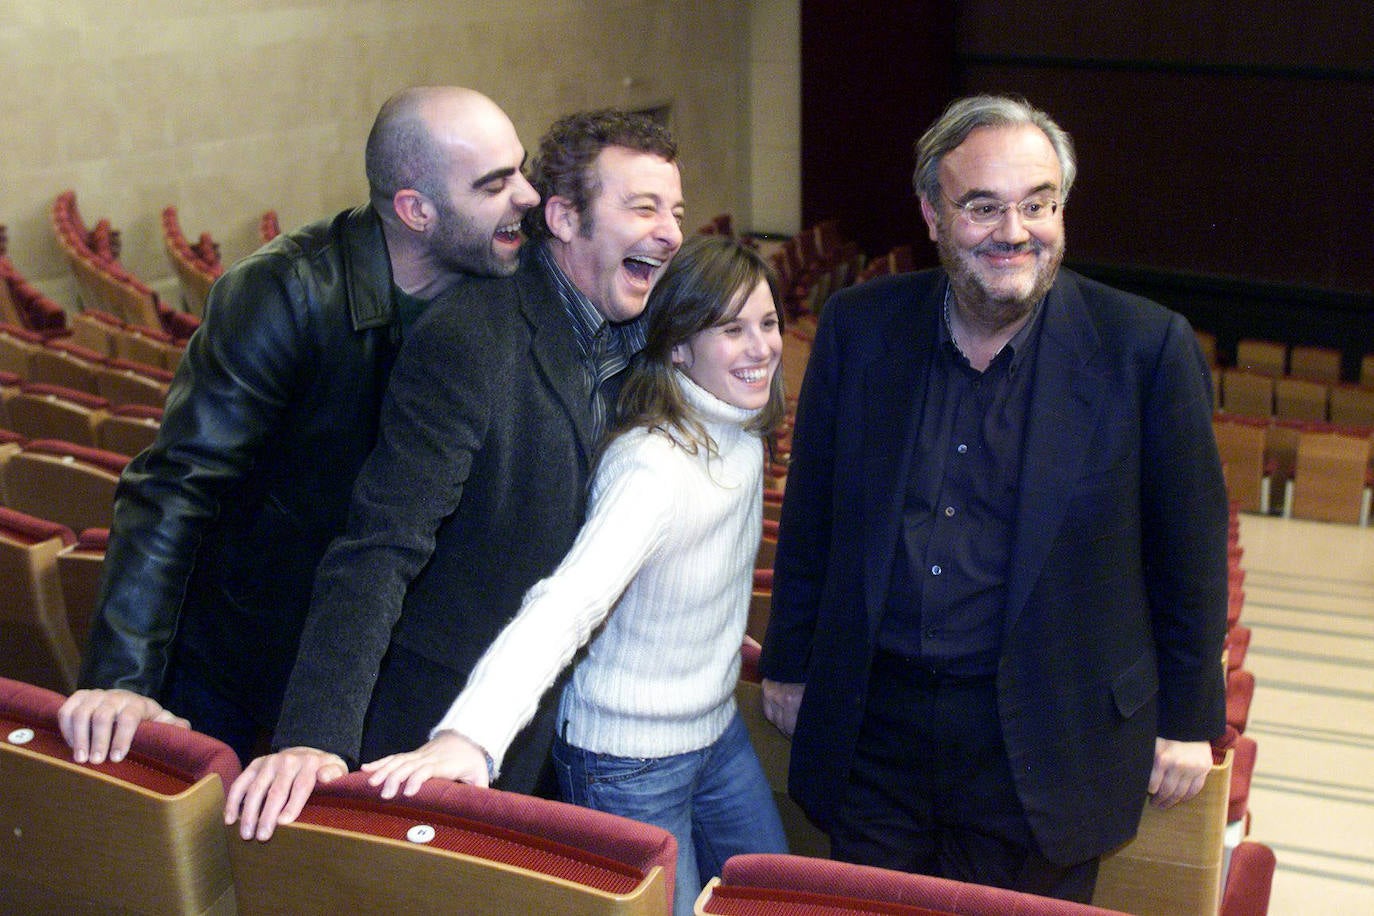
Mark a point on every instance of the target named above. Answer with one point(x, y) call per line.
point(484, 196)
point(615, 250)
point(736, 359)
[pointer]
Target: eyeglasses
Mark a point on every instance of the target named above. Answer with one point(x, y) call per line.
point(988, 211)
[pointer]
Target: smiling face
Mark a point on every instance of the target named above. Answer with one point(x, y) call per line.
point(998, 272)
point(615, 249)
point(736, 360)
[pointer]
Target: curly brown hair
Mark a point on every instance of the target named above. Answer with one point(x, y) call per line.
point(564, 165)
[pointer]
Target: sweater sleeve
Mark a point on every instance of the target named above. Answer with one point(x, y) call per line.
point(629, 516)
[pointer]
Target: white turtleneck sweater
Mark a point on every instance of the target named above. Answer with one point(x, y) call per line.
point(665, 560)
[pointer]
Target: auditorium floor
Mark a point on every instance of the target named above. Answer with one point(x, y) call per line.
point(1309, 603)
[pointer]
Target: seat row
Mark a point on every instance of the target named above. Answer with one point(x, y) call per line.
point(105, 284)
point(27, 315)
point(1278, 360)
point(163, 847)
point(1301, 469)
point(21, 303)
point(65, 362)
point(1255, 394)
point(813, 264)
point(34, 410)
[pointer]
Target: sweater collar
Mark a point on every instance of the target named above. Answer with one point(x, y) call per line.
point(711, 410)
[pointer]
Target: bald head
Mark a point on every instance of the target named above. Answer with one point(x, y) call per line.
point(417, 132)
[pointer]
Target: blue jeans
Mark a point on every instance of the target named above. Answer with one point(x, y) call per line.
point(715, 801)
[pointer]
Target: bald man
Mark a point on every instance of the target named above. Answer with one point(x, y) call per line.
point(219, 526)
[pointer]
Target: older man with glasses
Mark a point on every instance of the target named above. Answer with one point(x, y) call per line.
point(1000, 584)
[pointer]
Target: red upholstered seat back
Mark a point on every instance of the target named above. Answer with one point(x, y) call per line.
point(577, 844)
point(164, 758)
point(839, 887)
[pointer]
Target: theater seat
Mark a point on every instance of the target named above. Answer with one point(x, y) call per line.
point(453, 848)
point(765, 884)
point(45, 411)
point(67, 483)
point(78, 573)
point(36, 643)
point(1174, 863)
point(128, 429)
point(1330, 479)
point(1249, 882)
point(142, 836)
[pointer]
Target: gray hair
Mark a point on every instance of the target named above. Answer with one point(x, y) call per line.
point(964, 116)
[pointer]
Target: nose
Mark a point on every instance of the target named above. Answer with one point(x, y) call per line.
point(1012, 227)
point(758, 343)
point(668, 232)
point(525, 197)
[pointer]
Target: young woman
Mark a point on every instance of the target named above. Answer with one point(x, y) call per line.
point(663, 567)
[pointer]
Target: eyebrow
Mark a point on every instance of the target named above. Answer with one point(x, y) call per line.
point(976, 193)
point(633, 197)
point(494, 174)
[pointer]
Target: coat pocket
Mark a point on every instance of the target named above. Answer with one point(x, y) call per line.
point(1135, 686)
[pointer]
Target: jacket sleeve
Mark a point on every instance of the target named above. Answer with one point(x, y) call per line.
point(802, 561)
point(231, 387)
point(434, 419)
point(1185, 518)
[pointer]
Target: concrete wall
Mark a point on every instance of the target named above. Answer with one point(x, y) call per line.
point(231, 107)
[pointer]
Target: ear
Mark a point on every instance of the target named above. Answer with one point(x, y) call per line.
point(562, 218)
point(415, 209)
point(931, 217)
point(682, 355)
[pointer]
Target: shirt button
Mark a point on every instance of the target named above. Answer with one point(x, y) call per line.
point(949, 512)
point(935, 570)
point(961, 449)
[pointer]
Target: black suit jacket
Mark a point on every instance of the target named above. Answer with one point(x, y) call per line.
point(475, 491)
point(1116, 605)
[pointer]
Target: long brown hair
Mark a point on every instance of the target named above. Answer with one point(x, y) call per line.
point(705, 285)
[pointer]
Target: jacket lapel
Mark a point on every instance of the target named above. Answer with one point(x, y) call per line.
point(554, 350)
point(1067, 399)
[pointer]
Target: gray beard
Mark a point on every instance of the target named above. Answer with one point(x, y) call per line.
point(978, 302)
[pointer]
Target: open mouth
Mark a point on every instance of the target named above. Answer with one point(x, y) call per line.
point(751, 376)
point(641, 267)
point(508, 234)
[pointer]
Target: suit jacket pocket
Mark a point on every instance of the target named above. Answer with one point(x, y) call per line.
point(1135, 686)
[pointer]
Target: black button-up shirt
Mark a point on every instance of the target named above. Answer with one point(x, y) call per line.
point(947, 600)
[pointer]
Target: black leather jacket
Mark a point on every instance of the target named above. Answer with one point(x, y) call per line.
point(218, 527)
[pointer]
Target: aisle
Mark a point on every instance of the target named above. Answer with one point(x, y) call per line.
point(1309, 602)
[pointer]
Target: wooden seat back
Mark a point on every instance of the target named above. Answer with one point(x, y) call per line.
point(1174, 863)
point(479, 851)
point(144, 835)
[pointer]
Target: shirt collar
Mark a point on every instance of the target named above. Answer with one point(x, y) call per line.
point(588, 323)
point(1018, 344)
